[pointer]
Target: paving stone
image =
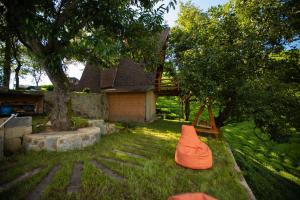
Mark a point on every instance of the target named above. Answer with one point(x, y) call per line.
point(40, 188)
point(107, 171)
point(121, 162)
point(74, 185)
point(8, 185)
point(129, 154)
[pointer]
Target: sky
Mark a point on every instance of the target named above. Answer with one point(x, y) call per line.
point(76, 69)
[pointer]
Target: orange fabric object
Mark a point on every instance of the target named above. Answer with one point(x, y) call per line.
point(191, 152)
point(191, 196)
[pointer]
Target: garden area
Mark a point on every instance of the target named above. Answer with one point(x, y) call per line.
point(136, 163)
point(118, 100)
point(270, 168)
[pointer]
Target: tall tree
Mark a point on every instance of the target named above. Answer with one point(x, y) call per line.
point(224, 54)
point(48, 29)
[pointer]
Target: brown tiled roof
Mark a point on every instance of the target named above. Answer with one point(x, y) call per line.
point(108, 77)
point(90, 78)
point(128, 76)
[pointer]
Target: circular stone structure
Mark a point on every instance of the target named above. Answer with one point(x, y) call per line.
point(63, 140)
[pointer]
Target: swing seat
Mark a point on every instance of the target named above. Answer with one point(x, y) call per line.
point(204, 124)
point(192, 196)
point(200, 129)
point(191, 152)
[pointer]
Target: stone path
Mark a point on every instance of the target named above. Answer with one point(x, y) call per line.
point(8, 185)
point(74, 185)
point(37, 192)
point(107, 171)
point(129, 154)
point(134, 147)
point(120, 162)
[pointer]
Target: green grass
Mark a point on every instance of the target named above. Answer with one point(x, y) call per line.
point(39, 123)
point(157, 178)
point(170, 108)
point(271, 169)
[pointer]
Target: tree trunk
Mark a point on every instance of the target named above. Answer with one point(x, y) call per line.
point(7, 63)
point(225, 113)
point(187, 109)
point(17, 71)
point(19, 65)
point(61, 112)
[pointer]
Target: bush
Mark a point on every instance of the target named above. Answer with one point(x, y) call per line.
point(79, 122)
point(47, 87)
point(86, 90)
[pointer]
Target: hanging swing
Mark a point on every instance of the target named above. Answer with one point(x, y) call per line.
point(203, 126)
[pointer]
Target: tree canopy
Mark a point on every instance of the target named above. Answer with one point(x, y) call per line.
point(57, 29)
point(228, 54)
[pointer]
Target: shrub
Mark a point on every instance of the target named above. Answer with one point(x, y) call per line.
point(79, 122)
point(47, 87)
point(86, 90)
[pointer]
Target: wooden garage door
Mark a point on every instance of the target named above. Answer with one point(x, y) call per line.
point(126, 107)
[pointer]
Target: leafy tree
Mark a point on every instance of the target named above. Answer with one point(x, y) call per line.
point(224, 54)
point(49, 28)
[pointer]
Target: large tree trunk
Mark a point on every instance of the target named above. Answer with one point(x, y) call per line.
point(61, 111)
point(224, 114)
point(7, 63)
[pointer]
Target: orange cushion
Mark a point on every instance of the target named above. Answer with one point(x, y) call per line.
point(191, 152)
point(192, 196)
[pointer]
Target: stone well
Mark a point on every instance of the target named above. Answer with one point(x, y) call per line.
point(63, 140)
point(12, 132)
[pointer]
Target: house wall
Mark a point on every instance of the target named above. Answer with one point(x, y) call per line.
point(150, 106)
point(91, 105)
point(126, 107)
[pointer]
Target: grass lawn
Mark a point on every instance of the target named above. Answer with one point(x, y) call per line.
point(271, 169)
point(151, 175)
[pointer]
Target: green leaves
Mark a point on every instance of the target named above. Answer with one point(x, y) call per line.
point(227, 54)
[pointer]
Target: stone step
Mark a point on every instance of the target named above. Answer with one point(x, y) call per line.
point(123, 162)
point(74, 185)
point(107, 171)
point(129, 154)
point(8, 185)
point(40, 188)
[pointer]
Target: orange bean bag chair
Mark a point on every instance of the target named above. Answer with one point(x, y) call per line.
point(191, 152)
point(192, 196)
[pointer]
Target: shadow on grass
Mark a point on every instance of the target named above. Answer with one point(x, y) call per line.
point(270, 168)
point(264, 183)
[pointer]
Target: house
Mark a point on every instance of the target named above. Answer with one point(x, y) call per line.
point(131, 90)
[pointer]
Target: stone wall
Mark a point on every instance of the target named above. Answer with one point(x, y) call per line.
point(63, 140)
point(92, 105)
point(13, 132)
